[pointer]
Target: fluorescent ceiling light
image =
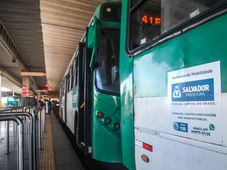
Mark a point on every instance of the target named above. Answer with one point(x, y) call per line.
point(4, 89)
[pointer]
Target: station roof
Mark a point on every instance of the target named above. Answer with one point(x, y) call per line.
point(44, 34)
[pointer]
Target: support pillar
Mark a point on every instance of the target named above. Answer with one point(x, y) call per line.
point(25, 86)
point(1, 74)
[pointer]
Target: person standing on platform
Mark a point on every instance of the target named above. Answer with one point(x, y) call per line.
point(49, 106)
point(46, 106)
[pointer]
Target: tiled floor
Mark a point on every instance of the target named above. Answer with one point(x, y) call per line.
point(47, 154)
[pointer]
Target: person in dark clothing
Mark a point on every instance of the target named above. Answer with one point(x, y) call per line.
point(49, 107)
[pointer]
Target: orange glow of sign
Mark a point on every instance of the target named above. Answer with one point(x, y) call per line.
point(151, 20)
point(157, 21)
point(144, 19)
point(25, 91)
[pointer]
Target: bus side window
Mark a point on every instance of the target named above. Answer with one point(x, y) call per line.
point(151, 18)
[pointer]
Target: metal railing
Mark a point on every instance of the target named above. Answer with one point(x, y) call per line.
point(20, 140)
point(31, 131)
point(34, 116)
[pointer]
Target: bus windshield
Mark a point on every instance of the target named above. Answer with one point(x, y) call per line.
point(151, 18)
point(107, 72)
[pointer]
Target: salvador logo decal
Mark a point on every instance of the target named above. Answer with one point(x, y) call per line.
point(199, 90)
point(176, 92)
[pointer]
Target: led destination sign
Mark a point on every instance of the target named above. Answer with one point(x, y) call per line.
point(151, 20)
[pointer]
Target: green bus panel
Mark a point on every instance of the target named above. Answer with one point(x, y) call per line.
point(106, 139)
point(202, 45)
point(145, 75)
point(126, 79)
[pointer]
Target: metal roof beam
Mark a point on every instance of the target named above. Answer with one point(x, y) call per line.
point(10, 47)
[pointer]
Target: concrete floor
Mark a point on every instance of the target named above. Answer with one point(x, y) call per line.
point(57, 154)
point(9, 161)
point(65, 156)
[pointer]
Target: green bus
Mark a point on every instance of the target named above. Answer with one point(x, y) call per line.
point(150, 91)
point(173, 78)
point(90, 90)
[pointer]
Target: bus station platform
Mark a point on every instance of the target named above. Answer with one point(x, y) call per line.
point(56, 153)
point(43, 144)
point(113, 85)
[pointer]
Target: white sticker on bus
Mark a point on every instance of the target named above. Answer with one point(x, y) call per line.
point(194, 103)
